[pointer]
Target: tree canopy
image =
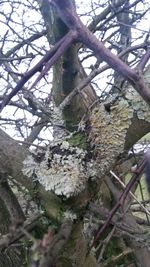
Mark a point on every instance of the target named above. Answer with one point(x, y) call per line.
point(74, 101)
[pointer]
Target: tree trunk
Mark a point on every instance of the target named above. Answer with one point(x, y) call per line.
point(67, 72)
point(110, 131)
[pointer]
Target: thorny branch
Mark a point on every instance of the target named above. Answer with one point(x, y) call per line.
point(78, 32)
point(120, 202)
point(16, 234)
point(97, 71)
point(45, 64)
point(68, 14)
point(52, 56)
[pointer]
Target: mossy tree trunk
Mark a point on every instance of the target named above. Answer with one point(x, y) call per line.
point(114, 134)
point(67, 75)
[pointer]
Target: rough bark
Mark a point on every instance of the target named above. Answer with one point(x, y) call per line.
point(67, 72)
point(108, 126)
point(69, 16)
point(117, 125)
point(110, 130)
point(11, 256)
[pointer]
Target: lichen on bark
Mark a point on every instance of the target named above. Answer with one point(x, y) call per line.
point(64, 170)
point(111, 124)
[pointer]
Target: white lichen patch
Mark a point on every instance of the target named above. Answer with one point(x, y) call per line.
point(63, 170)
point(69, 215)
point(140, 107)
point(30, 166)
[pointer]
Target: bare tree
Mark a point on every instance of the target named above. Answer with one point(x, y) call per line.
point(74, 100)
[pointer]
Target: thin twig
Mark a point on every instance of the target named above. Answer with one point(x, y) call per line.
point(131, 194)
point(119, 203)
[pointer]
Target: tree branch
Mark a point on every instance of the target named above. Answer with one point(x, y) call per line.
point(68, 14)
point(120, 201)
point(53, 54)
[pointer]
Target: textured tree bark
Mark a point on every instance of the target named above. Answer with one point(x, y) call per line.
point(111, 131)
point(141, 253)
point(12, 256)
point(67, 72)
point(69, 16)
point(109, 134)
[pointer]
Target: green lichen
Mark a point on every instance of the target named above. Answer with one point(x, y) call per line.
point(139, 106)
point(78, 139)
point(116, 129)
point(72, 114)
point(108, 132)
